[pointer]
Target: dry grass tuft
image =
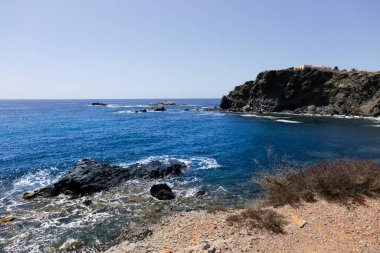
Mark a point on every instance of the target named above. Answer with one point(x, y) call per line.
point(333, 180)
point(259, 218)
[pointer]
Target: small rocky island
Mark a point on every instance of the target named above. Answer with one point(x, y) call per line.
point(163, 103)
point(98, 104)
point(308, 89)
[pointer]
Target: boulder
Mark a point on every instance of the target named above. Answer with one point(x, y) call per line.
point(89, 176)
point(162, 192)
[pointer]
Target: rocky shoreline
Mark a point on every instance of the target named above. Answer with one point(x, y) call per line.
point(311, 90)
point(326, 227)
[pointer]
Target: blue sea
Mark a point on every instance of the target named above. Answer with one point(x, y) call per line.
point(41, 139)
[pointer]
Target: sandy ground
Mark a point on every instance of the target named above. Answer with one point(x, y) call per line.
point(330, 227)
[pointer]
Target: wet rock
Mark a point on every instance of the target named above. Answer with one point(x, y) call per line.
point(89, 176)
point(159, 109)
point(87, 202)
point(141, 111)
point(135, 234)
point(199, 193)
point(28, 195)
point(162, 192)
point(7, 219)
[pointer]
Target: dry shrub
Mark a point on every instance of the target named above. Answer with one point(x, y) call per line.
point(259, 218)
point(334, 180)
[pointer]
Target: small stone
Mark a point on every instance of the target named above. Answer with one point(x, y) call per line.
point(206, 246)
point(298, 221)
point(211, 249)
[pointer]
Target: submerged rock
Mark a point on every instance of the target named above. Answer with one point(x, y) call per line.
point(89, 176)
point(7, 219)
point(313, 90)
point(162, 192)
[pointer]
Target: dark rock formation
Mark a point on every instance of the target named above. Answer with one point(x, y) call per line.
point(162, 192)
point(87, 202)
point(159, 109)
point(98, 104)
point(165, 103)
point(89, 176)
point(199, 193)
point(313, 90)
point(140, 111)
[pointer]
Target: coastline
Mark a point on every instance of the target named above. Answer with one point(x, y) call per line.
point(330, 227)
point(338, 116)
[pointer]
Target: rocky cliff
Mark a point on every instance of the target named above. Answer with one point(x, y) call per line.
point(315, 91)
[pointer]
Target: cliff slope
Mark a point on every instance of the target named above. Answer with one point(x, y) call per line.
point(315, 91)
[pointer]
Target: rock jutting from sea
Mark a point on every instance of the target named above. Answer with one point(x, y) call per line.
point(308, 89)
point(89, 176)
point(164, 103)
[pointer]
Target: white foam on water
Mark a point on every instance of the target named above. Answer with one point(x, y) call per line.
point(125, 106)
point(30, 181)
point(329, 115)
point(259, 116)
point(125, 111)
point(288, 121)
point(190, 192)
point(196, 162)
point(189, 181)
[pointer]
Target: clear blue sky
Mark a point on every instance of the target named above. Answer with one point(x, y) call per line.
point(177, 48)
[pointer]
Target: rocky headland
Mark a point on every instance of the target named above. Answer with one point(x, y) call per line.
point(308, 90)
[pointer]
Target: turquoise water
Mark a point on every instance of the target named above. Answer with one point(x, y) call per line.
point(41, 139)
